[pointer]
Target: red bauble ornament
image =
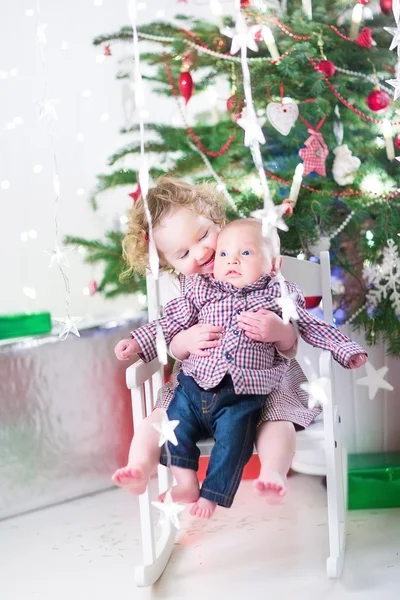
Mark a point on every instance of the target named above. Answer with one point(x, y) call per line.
point(234, 104)
point(386, 6)
point(136, 194)
point(107, 50)
point(92, 287)
point(258, 35)
point(327, 67)
point(185, 84)
point(378, 100)
point(363, 2)
point(313, 301)
point(397, 140)
point(244, 3)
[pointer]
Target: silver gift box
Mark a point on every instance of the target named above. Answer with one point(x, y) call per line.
point(65, 416)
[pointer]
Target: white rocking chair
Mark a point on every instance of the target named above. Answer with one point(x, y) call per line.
point(144, 380)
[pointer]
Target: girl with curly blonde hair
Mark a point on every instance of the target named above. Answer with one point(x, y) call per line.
point(186, 220)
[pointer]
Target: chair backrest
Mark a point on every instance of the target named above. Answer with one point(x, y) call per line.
point(313, 278)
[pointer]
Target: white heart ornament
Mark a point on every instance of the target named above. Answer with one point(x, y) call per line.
point(282, 116)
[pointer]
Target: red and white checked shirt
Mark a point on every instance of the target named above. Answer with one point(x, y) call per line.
point(255, 367)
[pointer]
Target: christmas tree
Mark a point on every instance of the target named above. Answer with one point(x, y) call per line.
point(324, 86)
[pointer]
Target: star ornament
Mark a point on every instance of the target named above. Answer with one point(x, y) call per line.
point(170, 509)
point(318, 389)
point(68, 326)
point(395, 83)
point(41, 33)
point(374, 380)
point(58, 256)
point(241, 35)
point(252, 129)
point(289, 312)
point(166, 430)
point(48, 108)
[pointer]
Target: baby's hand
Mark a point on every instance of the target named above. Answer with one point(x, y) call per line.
point(196, 340)
point(262, 326)
point(357, 361)
point(125, 349)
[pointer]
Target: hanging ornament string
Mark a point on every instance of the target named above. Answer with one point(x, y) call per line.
point(143, 168)
point(190, 131)
point(344, 101)
point(58, 256)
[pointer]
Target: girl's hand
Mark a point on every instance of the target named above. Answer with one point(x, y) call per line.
point(357, 361)
point(125, 349)
point(196, 340)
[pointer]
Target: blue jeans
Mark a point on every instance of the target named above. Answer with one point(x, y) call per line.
point(229, 418)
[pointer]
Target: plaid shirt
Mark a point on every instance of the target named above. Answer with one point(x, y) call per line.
point(255, 367)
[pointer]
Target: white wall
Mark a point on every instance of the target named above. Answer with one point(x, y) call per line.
point(29, 201)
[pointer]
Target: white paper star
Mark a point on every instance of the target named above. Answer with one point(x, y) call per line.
point(395, 83)
point(318, 389)
point(170, 509)
point(58, 256)
point(41, 33)
point(252, 129)
point(288, 307)
point(48, 108)
point(374, 380)
point(166, 430)
point(69, 326)
point(241, 34)
point(271, 219)
point(395, 32)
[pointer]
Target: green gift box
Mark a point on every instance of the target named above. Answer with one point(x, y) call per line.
point(24, 324)
point(374, 480)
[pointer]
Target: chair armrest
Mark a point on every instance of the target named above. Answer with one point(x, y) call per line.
point(140, 372)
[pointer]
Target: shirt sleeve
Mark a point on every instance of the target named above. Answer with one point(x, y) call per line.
point(317, 333)
point(179, 314)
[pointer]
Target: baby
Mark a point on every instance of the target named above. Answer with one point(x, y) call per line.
point(221, 395)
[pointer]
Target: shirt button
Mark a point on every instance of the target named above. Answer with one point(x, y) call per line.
point(235, 331)
point(228, 356)
point(239, 311)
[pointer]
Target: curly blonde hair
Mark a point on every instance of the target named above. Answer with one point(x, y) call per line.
point(168, 195)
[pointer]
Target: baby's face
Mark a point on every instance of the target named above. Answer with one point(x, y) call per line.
point(241, 256)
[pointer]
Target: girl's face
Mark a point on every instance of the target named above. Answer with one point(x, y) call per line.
point(187, 241)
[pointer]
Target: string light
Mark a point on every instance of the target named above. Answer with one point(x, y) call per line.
point(29, 12)
point(37, 169)
point(105, 117)
point(80, 137)
point(30, 292)
point(5, 184)
point(87, 93)
point(64, 46)
point(80, 192)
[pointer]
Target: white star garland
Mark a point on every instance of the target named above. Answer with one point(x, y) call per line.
point(395, 31)
point(69, 325)
point(374, 380)
point(170, 509)
point(251, 126)
point(48, 108)
point(58, 256)
point(241, 34)
point(166, 430)
point(318, 388)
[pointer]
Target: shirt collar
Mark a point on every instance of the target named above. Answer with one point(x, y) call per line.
point(224, 286)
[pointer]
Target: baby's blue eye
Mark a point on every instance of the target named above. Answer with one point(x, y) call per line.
point(246, 252)
point(222, 253)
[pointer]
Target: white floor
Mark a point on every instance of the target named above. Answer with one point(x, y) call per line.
point(86, 550)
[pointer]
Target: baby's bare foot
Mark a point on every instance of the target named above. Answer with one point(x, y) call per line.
point(186, 493)
point(134, 479)
point(203, 509)
point(271, 485)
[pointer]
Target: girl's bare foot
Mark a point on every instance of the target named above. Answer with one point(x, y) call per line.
point(271, 485)
point(134, 479)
